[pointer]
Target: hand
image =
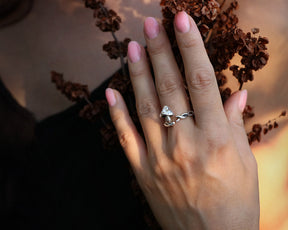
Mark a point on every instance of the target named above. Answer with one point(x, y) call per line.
point(200, 173)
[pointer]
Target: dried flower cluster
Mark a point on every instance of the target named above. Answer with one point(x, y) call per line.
point(248, 113)
point(116, 49)
point(204, 12)
point(76, 92)
point(73, 91)
point(108, 20)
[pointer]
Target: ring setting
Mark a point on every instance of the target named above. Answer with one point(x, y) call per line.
point(170, 120)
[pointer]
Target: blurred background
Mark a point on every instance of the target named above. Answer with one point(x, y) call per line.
point(39, 36)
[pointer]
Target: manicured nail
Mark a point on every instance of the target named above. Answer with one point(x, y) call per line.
point(110, 96)
point(243, 100)
point(182, 22)
point(134, 52)
point(151, 28)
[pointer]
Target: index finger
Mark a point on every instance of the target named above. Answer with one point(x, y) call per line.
point(200, 75)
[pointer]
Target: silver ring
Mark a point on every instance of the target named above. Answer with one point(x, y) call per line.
point(170, 120)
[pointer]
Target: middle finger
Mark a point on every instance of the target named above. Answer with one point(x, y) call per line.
point(168, 78)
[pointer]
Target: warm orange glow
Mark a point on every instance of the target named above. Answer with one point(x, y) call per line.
point(268, 93)
point(272, 158)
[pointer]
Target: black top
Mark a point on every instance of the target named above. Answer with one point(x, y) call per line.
point(63, 178)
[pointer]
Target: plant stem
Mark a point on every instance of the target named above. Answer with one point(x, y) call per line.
point(222, 4)
point(89, 102)
point(241, 85)
point(121, 54)
point(208, 36)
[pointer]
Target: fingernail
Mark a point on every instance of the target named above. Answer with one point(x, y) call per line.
point(182, 22)
point(134, 52)
point(151, 28)
point(243, 100)
point(110, 96)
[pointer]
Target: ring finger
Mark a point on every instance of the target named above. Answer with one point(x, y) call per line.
point(168, 78)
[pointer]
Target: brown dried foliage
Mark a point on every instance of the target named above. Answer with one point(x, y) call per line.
point(76, 92)
point(258, 129)
point(73, 91)
point(108, 20)
point(92, 111)
point(115, 49)
point(248, 113)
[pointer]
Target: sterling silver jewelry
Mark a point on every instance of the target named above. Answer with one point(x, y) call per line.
point(168, 114)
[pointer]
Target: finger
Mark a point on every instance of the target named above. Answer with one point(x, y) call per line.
point(147, 102)
point(130, 140)
point(169, 82)
point(200, 76)
point(234, 108)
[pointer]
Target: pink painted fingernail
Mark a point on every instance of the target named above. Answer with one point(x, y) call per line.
point(151, 28)
point(182, 22)
point(134, 52)
point(110, 96)
point(243, 100)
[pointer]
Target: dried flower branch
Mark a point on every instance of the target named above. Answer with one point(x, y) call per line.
point(248, 113)
point(92, 111)
point(259, 129)
point(73, 91)
point(116, 49)
point(76, 92)
point(109, 21)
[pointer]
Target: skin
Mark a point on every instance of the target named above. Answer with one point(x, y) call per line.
point(201, 173)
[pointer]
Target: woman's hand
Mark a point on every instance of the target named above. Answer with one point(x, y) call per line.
point(200, 173)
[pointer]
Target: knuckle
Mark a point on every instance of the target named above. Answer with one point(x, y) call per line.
point(124, 139)
point(188, 43)
point(138, 72)
point(146, 108)
point(169, 86)
point(201, 79)
point(157, 48)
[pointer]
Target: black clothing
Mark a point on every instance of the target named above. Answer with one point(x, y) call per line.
point(62, 177)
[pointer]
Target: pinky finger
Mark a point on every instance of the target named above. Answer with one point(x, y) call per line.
point(130, 140)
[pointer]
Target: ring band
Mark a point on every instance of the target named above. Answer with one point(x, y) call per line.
point(168, 115)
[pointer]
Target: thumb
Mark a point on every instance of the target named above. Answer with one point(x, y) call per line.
point(234, 108)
